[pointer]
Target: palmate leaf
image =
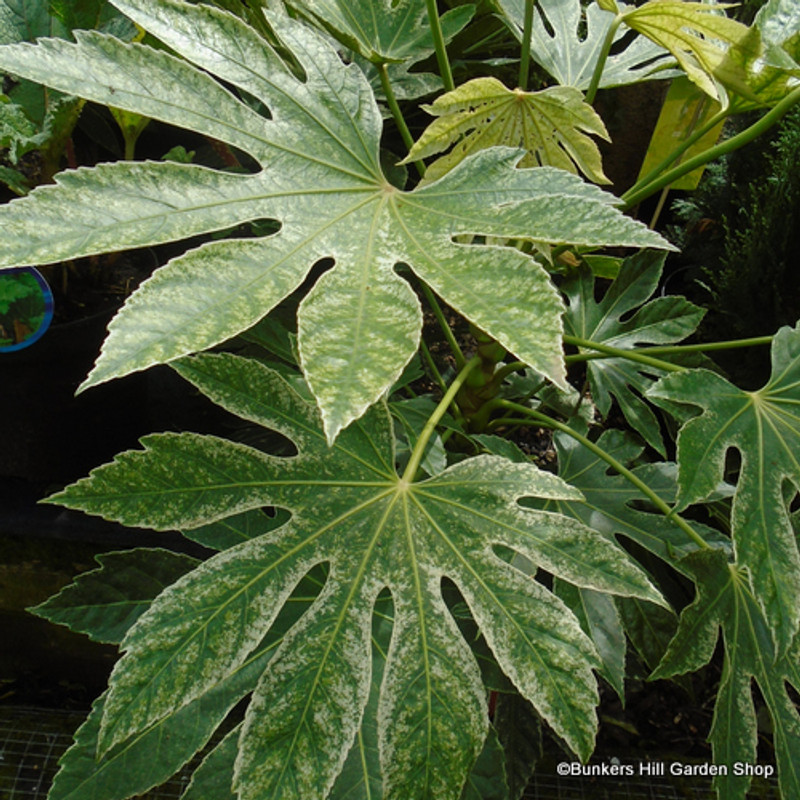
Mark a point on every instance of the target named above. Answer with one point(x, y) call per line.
point(551, 125)
point(152, 755)
point(374, 531)
point(725, 601)
point(764, 426)
point(393, 34)
point(569, 52)
point(321, 178)
point(773, 70)
point(711, 48)
point(665, 320)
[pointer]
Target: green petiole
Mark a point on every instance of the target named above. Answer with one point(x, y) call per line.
point(430, 426)
point(545, 421)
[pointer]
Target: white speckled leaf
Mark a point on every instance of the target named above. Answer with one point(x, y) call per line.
point(764, 426)
point(351, 512)
point(569, 51)
point(726, 603)
point(551, 125)
point(321, 179)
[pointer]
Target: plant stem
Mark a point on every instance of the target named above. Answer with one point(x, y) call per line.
point(594, 85)
point(434, 370)
point(663, 350)
point(397, 114)
point(433, 420)
point(731, 344)
point(439, 314)
point(637, 193)
point(525, 56)
point(438, 43)
point(506, 370)
point(678, 151)
point(615, 352)
point(652, 496)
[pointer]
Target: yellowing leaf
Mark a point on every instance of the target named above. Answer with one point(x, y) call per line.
point(685, 110)
point(711, 48)
point(551, 125)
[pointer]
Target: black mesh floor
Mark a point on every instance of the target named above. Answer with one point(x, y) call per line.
point(32, 741)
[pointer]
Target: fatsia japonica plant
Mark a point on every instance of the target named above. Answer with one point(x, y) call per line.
point(402, 596)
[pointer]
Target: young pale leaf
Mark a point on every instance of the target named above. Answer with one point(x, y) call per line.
point(665, 320)
point(772, 69)
point(374, 531)
point(685, 110)
point(321, 178)
point(711, 48)
point(726, 602)
point(764, 426)
point(105, 602)
point(567, 46)
point(551, 125)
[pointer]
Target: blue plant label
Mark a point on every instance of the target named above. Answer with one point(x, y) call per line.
point(26, 307)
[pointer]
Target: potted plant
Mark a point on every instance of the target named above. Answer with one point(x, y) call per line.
point(421, 570)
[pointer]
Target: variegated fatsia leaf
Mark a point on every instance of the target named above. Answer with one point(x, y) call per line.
point(374, 531)
point(764, 426)
point(566, 41)
point(551, 125)
point(320, 177)
point(726, 604)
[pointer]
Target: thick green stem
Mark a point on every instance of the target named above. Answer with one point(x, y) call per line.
point(637, 193)
point(525, 55)
point(652, 496)
point(397, 114)
point(438, 42)
point(506, 370)
point(448, 333)
point(616, 352)
point(677, 349)
point(731, 344)
point(679, 151)
point(594, 85)
point(430, 426)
